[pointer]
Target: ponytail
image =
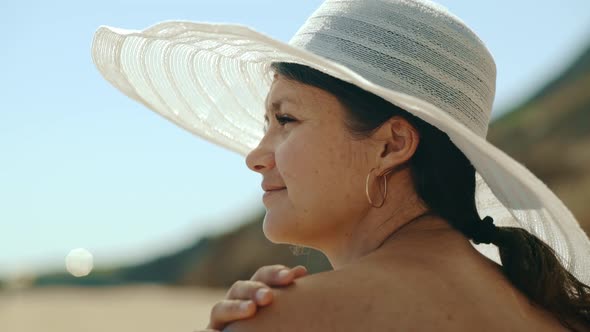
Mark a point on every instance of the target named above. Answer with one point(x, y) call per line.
point(445, 179)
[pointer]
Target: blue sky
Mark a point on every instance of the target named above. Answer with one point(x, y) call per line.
point(81, 165)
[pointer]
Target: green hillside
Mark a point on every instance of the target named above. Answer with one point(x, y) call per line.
point(550, 135)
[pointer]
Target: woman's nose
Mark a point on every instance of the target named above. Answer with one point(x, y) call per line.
point(260, 159)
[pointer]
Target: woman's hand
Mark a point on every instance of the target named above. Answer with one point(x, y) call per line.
point(243, 298)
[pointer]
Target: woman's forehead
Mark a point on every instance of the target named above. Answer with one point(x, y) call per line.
point(299, 94)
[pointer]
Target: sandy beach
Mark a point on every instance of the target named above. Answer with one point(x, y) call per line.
point(129, 308)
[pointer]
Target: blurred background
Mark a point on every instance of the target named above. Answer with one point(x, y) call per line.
point(172, 220)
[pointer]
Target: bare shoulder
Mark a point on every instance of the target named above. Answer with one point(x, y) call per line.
point(411, 297)
point(311, 303)
point(352, 300)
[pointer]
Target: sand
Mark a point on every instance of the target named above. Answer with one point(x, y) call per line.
point(137, 308)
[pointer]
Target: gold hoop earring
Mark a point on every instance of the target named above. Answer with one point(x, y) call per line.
point(367, 188)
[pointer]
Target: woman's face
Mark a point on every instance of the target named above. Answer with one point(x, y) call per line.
point(308, 151)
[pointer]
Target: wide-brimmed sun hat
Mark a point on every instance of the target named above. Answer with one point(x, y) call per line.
point(212, 79)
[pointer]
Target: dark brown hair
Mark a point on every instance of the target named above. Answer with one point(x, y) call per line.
point(445, 180)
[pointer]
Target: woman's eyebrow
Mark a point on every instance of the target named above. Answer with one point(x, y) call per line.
point(277, 104)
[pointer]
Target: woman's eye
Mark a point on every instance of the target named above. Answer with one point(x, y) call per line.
point(283, 119)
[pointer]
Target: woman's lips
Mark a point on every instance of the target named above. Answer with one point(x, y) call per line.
point(271, 192)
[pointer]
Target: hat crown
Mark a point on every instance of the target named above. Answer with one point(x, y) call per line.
point(412, 46)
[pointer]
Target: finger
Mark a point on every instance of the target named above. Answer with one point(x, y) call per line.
point(245, 290)
point(286, 276)
point(299, 271)
point(263, 296)
point(266, 274)
point(227, 311)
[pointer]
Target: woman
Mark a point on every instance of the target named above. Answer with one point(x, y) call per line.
point(374, 153)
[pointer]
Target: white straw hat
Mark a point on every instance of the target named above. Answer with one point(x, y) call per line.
point(212, 80)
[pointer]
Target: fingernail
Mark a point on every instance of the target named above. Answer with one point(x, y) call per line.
point(244, 305)
point(283, 274)
point(261, 293)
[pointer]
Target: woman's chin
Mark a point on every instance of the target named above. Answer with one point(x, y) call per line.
point(276, 229)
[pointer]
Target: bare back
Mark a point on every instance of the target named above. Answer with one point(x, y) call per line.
point(454, 289)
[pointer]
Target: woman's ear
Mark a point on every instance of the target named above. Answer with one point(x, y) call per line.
point(399, 142)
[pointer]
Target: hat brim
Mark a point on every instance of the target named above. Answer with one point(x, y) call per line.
point(212, 79)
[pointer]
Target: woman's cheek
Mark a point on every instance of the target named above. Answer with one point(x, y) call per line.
point(288, 155)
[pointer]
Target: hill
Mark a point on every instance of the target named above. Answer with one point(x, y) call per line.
point(550, 135)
